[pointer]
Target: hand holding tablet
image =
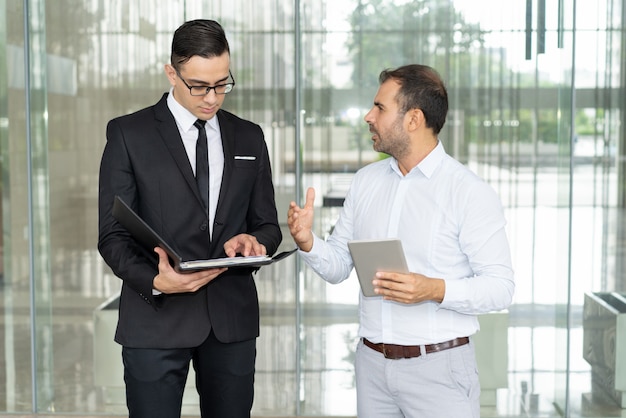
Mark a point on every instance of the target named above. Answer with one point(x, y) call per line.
point(371, 256)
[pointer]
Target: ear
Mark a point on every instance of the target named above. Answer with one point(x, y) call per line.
point(170, 72)
point(415, 119)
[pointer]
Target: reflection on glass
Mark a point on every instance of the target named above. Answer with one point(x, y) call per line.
point(546, 133)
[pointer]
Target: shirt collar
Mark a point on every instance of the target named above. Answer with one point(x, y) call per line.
point(428, 165)
point(184, 118)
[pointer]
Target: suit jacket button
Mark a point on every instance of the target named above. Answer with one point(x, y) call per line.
point(204, 226)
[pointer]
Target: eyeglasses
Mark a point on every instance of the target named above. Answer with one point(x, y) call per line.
point(204, 90)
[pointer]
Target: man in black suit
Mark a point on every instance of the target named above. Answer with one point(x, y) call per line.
point(211, 317)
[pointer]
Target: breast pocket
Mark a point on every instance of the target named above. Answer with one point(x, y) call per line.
point(244, 174)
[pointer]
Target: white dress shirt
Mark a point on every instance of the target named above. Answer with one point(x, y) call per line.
point(189, 133)
point(452, 227)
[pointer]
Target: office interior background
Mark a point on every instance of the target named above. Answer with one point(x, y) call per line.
point(536, 90)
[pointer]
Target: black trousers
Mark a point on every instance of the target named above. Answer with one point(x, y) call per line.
point(155, 379)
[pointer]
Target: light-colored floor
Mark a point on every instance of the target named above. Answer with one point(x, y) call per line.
point(327, 380)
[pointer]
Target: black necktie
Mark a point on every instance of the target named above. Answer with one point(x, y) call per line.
point(202, 163)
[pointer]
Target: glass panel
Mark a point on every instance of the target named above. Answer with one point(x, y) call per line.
point(597, 215)
point(333, 148)
point(523, 151)
point(15, 353)
point(103, 60)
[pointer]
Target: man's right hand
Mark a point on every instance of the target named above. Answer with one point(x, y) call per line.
point(300, 221)
point(170, 281)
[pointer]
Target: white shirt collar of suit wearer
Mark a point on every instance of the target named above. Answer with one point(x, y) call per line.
point(185, 118)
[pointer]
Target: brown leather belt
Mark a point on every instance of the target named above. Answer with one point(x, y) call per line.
point(394, 352)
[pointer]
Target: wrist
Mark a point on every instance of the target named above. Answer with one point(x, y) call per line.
point(155, 285)
point(439, 290)
point(307, 244)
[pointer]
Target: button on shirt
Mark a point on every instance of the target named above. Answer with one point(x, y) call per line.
point(189, 134)
point(452, 227)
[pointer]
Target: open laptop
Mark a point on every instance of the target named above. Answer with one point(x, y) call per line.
point(371, 256)
point(148, 237)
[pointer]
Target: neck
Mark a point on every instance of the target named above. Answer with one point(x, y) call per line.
point(417, 155)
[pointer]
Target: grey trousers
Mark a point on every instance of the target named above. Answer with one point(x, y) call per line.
point(437, 385)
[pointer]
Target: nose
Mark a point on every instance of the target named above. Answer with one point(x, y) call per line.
point(210, 97)
point(368, 117)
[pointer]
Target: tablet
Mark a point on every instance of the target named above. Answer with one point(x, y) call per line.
point(371, 256)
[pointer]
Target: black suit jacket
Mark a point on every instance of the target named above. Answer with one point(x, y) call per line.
point(145, 163)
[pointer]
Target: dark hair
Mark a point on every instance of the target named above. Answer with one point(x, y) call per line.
point(421, 87)
point(201, 37)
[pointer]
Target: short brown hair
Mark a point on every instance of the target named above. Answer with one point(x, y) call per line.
point(421, 87)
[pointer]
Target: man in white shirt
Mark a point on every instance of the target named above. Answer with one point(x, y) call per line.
point(416, 356)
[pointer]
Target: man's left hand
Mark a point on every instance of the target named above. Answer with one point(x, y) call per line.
point(408, 287)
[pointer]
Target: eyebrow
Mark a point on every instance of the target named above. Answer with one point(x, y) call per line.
point(202, 83)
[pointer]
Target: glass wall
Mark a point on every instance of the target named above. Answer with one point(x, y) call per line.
point(535, 92)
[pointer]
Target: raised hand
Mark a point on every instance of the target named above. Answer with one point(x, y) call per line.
point(300, 221)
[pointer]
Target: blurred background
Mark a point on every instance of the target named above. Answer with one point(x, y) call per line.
point(536, 90)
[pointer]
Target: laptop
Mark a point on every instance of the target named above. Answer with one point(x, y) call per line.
point(371, 256)
point(148, 237)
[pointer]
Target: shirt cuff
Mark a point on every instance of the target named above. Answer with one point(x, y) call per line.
point(454, 298)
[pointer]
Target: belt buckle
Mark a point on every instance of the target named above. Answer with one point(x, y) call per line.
point(388, 355)
point(385, 350)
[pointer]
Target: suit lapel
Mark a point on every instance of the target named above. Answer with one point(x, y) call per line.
point(227, 131)
point(171, 137)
